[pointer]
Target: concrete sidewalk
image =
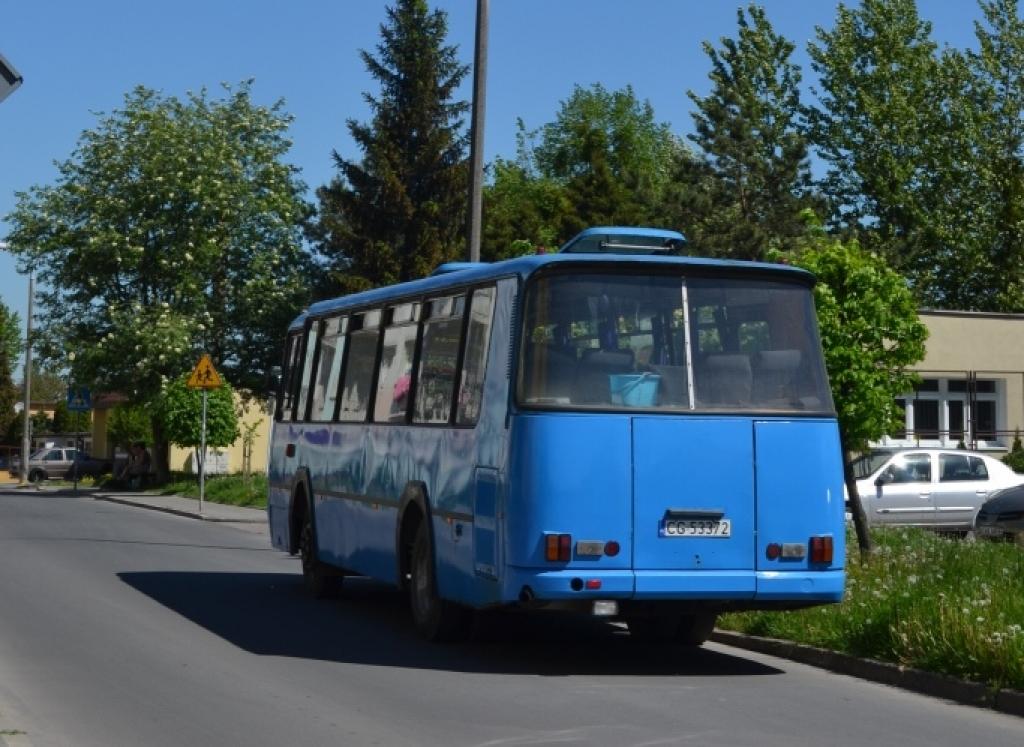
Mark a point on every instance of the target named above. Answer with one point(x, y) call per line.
point(171, 504)
point(182, 506)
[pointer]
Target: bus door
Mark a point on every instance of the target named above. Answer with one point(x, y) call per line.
point(693, 487)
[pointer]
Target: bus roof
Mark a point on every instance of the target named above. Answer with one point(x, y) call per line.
point(471, 273)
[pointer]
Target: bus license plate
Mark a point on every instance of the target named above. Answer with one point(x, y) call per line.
point(695, 528)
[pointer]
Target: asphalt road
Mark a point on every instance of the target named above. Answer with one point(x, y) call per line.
point(121, 626)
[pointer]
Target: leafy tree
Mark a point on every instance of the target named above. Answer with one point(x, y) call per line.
point(606, 149)
point(173, 228)
point(10, 333)
point(997, 209)
point(129, 424)
point(522, 212)
point(10, 347)
point(750, 128)
point(870, 333)
point(66, 421)
point(180, 410)
point(47, 385)
point(882, 111)
point(400, 211)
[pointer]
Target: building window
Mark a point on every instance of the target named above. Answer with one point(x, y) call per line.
point(951, 412)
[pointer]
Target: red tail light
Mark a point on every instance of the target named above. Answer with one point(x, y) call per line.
point(821, 550)
point(558, 547)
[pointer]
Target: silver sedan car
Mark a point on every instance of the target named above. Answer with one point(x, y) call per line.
point(937, 488)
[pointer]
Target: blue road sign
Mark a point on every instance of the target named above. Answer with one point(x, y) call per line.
point(79, 399)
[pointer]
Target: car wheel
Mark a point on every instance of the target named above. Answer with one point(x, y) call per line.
point(436, 619)
point(322, 581)
point(36, 475)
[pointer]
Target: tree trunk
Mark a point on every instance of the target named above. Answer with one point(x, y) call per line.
point(161, 453)
point(860, 519)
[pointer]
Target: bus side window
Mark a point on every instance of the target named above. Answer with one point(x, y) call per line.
point(291, 364)
point(435, 381)
point(307, 371)
point(364, 330)
point(332, 351)
point(394, 379)
point(474, 364)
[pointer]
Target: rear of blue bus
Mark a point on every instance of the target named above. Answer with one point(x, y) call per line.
point(674, 447)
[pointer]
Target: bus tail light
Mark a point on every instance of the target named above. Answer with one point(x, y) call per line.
point(611, 548)
point(821, 550)
point(558, 547)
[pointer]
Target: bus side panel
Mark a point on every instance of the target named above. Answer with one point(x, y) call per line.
point(279, 496)
point(485, 454)
point(568, 474)
point(799, 496)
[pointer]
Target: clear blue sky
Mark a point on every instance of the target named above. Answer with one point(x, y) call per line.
point(79, 58)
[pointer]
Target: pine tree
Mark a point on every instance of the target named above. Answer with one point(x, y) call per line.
point(751, 129)
point(400, 211)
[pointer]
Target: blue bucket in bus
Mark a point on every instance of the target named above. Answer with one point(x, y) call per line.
point(634, 390)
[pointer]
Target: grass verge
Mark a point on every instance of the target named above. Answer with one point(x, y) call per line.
point(234, 490)
point(924, 601)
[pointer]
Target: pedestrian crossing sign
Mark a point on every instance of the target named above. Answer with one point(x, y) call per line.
point(79, 399)
point(204, 375)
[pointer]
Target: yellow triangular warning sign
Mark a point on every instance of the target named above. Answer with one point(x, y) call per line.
point(204, 375)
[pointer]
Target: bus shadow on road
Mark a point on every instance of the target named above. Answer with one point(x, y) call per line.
point(270, 614)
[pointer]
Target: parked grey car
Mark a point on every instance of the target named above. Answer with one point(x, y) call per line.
point(60, 463)
point(1002, 516)
point(937, 488)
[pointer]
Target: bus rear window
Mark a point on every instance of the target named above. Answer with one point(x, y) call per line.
point(613, 341)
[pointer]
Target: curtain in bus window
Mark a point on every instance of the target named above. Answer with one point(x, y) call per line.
point(475, 361)
point(435, 384)
point(355, 394)
point(395, 377)
point(307, 371)
point(325, 391)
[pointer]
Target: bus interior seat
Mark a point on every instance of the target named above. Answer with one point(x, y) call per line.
point(774, 375)
point(672, 389)
point(592, 384)
point(554, 378)
point(727, 379)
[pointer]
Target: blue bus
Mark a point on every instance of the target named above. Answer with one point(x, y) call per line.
point(610, 428)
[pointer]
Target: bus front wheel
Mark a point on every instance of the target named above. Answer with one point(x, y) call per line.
point(436, 619)
point(320, 580)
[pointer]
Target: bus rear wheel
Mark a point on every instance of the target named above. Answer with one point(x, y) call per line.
point(685, 630)
point(436, 619)
point(320, 578)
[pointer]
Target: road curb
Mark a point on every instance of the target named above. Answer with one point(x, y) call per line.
point(907, 678)
point(125, 501)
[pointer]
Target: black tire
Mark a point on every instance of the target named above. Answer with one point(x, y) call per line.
point(685, 630)
point(695, 629)
point(652, 630)
point(322, 581)
point(36, 475)
point(436, 619)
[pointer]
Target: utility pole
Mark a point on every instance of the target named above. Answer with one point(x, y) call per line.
point(476, 141)
point(26, 434)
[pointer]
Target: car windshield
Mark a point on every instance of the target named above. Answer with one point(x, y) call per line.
point(609, 340)
point(866, 464)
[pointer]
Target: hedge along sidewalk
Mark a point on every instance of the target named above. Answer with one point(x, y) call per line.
point(915, 680)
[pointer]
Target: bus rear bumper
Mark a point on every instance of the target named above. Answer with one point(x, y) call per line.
point(524, 584)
